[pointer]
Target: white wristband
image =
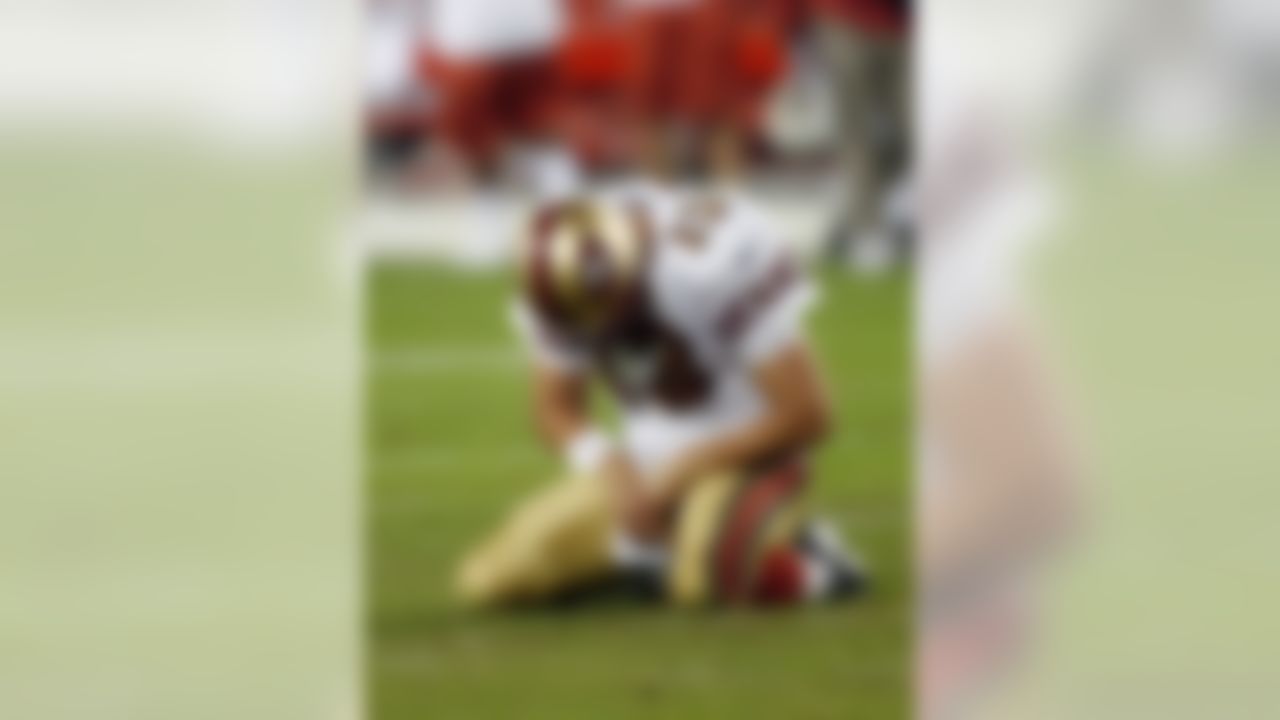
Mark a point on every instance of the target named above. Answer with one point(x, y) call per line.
point(587, 451)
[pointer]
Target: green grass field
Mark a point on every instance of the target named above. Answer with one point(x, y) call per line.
point(450, 449)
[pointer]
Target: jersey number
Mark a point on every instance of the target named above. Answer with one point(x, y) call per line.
point(697, 219)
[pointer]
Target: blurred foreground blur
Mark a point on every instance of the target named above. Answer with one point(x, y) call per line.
point(1095, 355)
point(177, 375)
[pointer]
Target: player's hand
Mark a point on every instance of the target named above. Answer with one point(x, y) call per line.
point(639, 511)
point(651, 513)
point(654, 511)
point(676, 478)
point(647, 516)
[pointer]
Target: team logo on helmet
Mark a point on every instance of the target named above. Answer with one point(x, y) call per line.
point(584, 264)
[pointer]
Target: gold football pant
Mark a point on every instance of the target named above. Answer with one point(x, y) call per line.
point(552, 542)
point(562, 537)
point(728, 529)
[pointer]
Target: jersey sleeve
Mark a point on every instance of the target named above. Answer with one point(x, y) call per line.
point(544, 345)
point(780, 323)
point(765, 293)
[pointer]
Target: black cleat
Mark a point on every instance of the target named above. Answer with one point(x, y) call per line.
point(848, 579)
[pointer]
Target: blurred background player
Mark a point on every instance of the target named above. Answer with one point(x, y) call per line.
point(702, 73)
point(492, 65)
point(594, 114)
point(865, 44)
point(793, 101)
point(398, 106)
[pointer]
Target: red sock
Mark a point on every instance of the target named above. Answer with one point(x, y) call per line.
point(781, 578)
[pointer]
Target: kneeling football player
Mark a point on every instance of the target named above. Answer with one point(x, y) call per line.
point(691, 312)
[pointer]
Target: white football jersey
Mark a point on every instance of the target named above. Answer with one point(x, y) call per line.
point(725, 293)
point(494, 29)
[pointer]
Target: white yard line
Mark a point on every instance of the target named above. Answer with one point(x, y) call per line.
point(442, 228)
point(433, 459)
point(445, 360)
